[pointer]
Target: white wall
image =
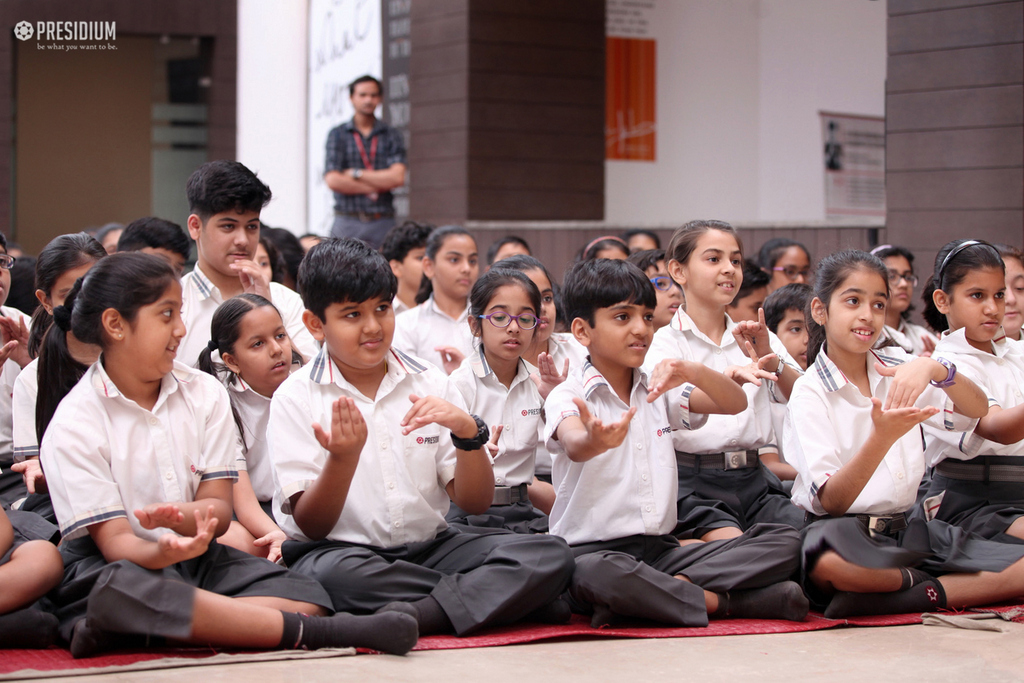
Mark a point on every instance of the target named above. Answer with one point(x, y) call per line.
point(739, 87)
point(272, 75)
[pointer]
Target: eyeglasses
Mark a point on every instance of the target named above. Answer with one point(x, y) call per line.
point(662, 283)
point(526, 321)
point(792, 272)
point(6, 261)
point(896, 276)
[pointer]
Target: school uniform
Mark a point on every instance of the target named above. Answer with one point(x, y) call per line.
point(908, 336)
point(25, 441)
point(618, 510)
point(563, 347)
point(721, 479)
point(399, 306)
point(518, 409)
point(200, 299)
point(978, 484)
point(12, 486)
point(829, 420)
point(106, 457)
point(422, 329)
point(254, 456)
point(391, 541)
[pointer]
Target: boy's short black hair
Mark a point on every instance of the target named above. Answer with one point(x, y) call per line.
point(753, 278)
point(602, 283)
point(344, 270)
point(219, 186)
point(496, 245)
point(648, 258)
point(365, 79)
point(402, 239)
point(793, 296)
point(155, 233)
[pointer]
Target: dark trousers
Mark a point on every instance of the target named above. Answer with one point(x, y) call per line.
point(635, 576)
point(371, 232)
point(521, 517)
point(479, 579)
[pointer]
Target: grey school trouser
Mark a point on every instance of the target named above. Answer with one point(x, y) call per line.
point(480, 579)
point(635, 576)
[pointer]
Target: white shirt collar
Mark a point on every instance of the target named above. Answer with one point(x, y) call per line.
point(684, 323)
point(105, 387)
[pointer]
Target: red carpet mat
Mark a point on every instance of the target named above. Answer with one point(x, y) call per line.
point(59, 660)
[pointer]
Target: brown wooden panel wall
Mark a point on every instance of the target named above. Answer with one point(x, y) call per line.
point(507, 110)
point(955, 123)
point(217, 19)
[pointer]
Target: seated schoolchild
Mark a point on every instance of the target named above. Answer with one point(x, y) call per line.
point(28, 569)
point(152, 235)
point(404, 247)
point(610, 429)
point(369, 447)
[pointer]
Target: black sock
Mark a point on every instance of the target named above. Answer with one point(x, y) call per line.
point(391, 632)
point(784, 600)
point(88, 641)
point(428, 613)
point(555, 612)
point(28, 628)
point(604, 617)
point(927, 596)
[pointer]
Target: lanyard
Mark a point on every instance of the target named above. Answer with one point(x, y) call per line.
point(367, 160)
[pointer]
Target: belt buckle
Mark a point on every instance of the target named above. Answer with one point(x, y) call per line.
point(878, 525)
point(734, 460)
point(502, 495)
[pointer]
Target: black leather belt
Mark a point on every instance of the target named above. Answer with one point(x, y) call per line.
point(731, 460)
point(507, 495)
point(985, 468)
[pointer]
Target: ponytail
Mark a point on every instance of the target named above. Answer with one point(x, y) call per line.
point(58, 370)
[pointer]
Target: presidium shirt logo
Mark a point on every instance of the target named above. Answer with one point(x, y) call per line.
point(427, 439)
point(66, 30)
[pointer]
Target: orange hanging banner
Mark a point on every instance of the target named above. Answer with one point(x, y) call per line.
point(630, 114)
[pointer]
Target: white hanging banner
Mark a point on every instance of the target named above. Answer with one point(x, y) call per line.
point(854, 162)
point(345, 42)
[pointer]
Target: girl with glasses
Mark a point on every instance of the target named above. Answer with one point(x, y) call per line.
point(670, 295)
point(497, 385)
point(914, 339)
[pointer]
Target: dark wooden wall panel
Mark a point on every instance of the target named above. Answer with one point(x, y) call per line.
point(214, 19)
point(954, 123)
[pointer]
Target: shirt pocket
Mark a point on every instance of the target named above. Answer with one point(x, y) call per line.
point(420, 457)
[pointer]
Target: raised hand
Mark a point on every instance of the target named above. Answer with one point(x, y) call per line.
point(16, 331)
point(181, 548)
point(31, 472)
point(160, 515)
point(755, 333)
point(451, 358)
point(254, 280)
point(604, 436)
point(755, 371)
point(547, 376)
point(435, 410)
point(909, 380)
point(669, 374)
point(348, 431)
point(893, 423)
point(492, 443)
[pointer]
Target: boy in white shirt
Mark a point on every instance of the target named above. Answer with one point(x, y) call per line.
point(365, 495)
point(225, 199)
point(610, 429)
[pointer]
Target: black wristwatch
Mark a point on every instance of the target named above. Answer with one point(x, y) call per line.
point(474, 443)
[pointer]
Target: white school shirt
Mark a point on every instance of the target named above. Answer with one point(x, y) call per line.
point(750, 429)
point(398, 491)
point(254, 411)
point(105, 456)
point(420, 330)
point(518, 408)
point(9, 372)
point(399, 306)
point(562, 346)
point(828, 422)
point(907, 336)
point(200, 299)
point(26, 391)
point(1000, 375)
point(626, 491)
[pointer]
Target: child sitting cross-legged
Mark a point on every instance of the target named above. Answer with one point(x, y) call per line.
point(609, 429)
